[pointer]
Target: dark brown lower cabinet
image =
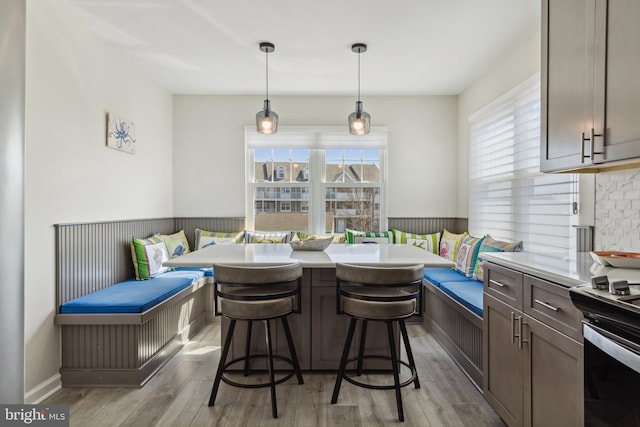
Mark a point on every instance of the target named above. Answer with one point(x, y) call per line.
point(533, 374)
point(318, 332)
point(329, 330)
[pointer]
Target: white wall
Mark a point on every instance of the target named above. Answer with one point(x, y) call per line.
point(208, 134)
point(72, 80)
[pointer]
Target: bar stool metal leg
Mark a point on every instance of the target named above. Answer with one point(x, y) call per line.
point(223, 360)
point(343, 360)
point(396, 375)
point(247, 348)
point(363, 338)
point(407, 346)
point(272, 380)
point(292, 349)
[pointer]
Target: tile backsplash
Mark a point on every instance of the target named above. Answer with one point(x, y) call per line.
point(617, 210)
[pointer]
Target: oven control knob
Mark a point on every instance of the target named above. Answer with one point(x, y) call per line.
point(600, 282)
point(619, 287)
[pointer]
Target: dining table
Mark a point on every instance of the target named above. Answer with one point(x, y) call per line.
point(318, 330)
point(362, 253)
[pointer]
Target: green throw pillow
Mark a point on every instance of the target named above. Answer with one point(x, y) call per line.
point(381, 237)
point(428, 242)
point(148, 255)
point(269, 236)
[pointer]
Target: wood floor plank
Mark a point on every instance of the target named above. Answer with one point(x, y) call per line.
point(178, 395)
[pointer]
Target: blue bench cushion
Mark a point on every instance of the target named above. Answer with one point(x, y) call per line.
point(133, 296)
point(208, 271)
point(435, 276)
point(467, 293)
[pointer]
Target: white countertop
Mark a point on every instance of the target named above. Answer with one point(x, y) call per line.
point(569, 269)
point(282, 253)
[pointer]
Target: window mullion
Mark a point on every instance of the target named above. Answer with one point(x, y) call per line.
point(317, 215)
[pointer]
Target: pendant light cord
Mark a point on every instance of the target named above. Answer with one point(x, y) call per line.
point(267, 72)
point(358, 75)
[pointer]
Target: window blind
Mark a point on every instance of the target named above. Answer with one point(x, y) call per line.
point(509, 198)
point(323, 137)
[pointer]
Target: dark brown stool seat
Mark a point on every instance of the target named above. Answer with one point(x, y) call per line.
point(387, 294)
point(252, 293)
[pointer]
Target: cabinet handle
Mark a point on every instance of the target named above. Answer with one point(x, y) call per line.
point(592, 141)
point(545, 305)
point(513, 328)
point(493, 282)
point(520, 338)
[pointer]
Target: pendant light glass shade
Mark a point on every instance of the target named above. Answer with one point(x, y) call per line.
point(267, 120)
point(359, 120)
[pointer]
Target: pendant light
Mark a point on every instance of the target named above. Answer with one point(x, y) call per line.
point(359, 120)
point(267, 120)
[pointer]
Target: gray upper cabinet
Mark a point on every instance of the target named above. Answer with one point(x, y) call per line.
point(590, 84)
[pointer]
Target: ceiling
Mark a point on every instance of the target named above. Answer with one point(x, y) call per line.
point(416, 47)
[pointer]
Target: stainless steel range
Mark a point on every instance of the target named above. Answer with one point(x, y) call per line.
point(611, 331)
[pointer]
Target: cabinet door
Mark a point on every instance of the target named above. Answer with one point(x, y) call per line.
point(329, 332)
point(328, 329)
point(567, 65)
point(617, 79)
point(553, 377)
point(503, 382)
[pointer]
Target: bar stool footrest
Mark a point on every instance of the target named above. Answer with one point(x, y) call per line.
point(289, 374)
point(350, 379)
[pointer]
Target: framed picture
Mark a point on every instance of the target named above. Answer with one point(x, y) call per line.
point(121, 133)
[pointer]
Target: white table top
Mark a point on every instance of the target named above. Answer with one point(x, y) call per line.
point(282, 253)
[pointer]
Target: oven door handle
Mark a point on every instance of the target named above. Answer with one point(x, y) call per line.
point(612, 345)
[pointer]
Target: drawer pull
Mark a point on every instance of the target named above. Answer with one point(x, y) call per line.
point(493, 282)
point(545, 305)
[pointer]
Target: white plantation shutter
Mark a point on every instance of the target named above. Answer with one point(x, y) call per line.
point(509, 198)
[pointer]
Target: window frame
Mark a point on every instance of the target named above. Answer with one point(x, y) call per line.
point(317, 139)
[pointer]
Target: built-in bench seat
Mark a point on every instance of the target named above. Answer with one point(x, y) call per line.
point(117, 331)
point(459, 287)
point(453, 313)
point(134, 296)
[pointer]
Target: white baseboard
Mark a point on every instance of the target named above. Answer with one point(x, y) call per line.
point(43, 390)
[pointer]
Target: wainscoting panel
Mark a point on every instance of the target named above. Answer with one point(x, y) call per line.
point(93, 256)
point(428, 225)
point(189, 226)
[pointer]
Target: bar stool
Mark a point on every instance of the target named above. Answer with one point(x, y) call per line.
point(253, 293)
point(386, 294)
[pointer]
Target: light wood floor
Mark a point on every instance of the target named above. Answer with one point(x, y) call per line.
point(179, 393)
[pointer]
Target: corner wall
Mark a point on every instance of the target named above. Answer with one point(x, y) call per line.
point(72, 81)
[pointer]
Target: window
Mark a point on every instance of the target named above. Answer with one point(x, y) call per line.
point(509, 197)
point(316, 179)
